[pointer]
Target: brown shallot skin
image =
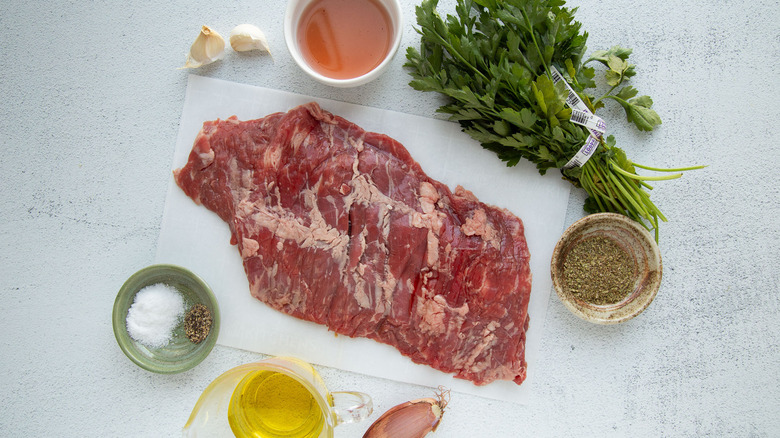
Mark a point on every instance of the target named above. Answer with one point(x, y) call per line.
point(412, 419)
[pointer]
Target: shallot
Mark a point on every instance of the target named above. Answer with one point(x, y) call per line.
point(412, 419)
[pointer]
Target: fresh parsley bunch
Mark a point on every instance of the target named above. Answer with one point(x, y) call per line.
point(494, 58)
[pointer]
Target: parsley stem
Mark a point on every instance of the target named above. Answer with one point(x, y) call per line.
point(607, 94)
point(656, 169)
point(454, 52)
point(608, 189)
point(536, 44)
point(617, 169)
point(638, 209)
point(644, 198)
point(589, 185)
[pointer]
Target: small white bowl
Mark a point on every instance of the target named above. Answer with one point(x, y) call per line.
point(295, 9)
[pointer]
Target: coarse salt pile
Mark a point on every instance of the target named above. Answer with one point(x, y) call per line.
point(155, 312)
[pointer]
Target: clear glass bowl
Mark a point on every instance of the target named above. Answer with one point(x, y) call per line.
point(180, 354)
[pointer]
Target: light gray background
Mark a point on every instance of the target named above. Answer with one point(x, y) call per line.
point(91, 100)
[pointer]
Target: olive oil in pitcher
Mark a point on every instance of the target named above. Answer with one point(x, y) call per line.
point(278, 397)
point(270, 404)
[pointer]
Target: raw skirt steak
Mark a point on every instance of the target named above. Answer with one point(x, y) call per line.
point(342, 227)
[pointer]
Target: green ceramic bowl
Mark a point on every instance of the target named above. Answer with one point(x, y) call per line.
point(180, 354)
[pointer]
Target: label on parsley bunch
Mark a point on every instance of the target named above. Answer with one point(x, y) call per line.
point(581, 115)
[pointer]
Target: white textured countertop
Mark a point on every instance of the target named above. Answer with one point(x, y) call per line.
point(92, 100)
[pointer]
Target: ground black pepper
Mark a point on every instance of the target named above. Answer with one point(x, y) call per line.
point(599, 271)
point(197, 323)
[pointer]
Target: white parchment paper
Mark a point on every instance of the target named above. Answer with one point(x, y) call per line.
point(195, 238)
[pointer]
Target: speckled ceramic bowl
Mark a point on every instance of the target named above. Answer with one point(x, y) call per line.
point(634, 240)
point(180, 354)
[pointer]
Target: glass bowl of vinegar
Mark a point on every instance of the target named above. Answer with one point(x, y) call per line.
point(343, 43)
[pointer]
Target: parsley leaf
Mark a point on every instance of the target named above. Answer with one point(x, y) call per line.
point(638, 111)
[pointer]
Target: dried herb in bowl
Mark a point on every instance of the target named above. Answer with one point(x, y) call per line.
point(599, 271)
point(606, 268)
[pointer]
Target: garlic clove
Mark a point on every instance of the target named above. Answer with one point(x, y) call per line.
point(413, 419)
point(208, 47)
point(246, 37)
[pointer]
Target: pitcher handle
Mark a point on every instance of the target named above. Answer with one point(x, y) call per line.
point(351, 407)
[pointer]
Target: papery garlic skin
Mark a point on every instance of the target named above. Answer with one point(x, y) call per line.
point(246, 37)
point(208, 47)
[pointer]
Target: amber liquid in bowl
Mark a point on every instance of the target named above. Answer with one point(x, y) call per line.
point(344, 39)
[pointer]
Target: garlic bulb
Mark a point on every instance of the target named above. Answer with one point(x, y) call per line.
point(245, 37)
point(207, 48)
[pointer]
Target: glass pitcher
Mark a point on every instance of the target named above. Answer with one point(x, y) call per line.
point(280, 397)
